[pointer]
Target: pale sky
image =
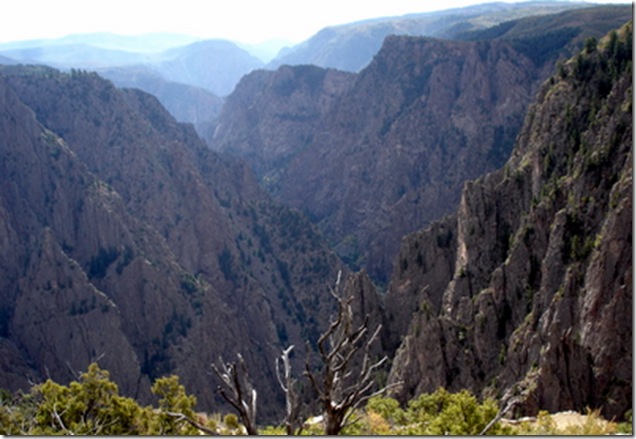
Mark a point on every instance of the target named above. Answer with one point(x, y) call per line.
point(247, 21)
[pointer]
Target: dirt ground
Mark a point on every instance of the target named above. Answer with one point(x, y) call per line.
point(569, 422)
point(567, 419)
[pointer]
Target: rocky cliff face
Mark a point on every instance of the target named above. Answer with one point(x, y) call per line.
point(54, 318)
point(373, 156)
point(537, 292)
point(389, 149)
point(126, 240)
point(273, 116)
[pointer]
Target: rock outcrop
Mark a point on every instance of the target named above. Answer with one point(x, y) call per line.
point(538, 305)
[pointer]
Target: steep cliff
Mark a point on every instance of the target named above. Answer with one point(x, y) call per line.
point(54, 318)
point(538, 305)
point(273, 116)
point(125, 239)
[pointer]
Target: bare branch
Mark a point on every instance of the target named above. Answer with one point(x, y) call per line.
point(293, 425)
point(286, 368)
point(380, 392)
point(58, 418)
point(363, 399)
point(180, 417)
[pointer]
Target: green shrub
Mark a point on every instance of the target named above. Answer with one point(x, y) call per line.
point(438, 413)
point(231, 421)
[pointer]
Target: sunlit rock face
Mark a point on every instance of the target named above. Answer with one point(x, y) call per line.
point(538, 306)
point(380, 154)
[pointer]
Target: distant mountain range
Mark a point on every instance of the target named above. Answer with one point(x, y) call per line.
point(350, 47)
point(145, 43)
point(217, 65)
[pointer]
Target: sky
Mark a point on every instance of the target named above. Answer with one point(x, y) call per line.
point(245, 21)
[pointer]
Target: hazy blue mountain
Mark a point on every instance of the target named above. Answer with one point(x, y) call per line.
point(151, 42)
point(6, 60)
point(187, 103)
point(187, 79)
point(267, 50)
point(216, 65)
point(157, 62)
point(74, 56)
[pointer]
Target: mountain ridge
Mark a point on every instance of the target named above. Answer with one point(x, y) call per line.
point(351, 47)
point(348, 47)
point(191, 252)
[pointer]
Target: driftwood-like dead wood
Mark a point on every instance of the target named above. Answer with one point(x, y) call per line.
point(292, 422)
point(510, 399)
point(238, 391)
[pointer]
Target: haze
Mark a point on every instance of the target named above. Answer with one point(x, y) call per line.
point(246, 21)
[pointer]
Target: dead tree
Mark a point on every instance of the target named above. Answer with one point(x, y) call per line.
point(345, 382)
point(293, 425)
point(238, 391)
